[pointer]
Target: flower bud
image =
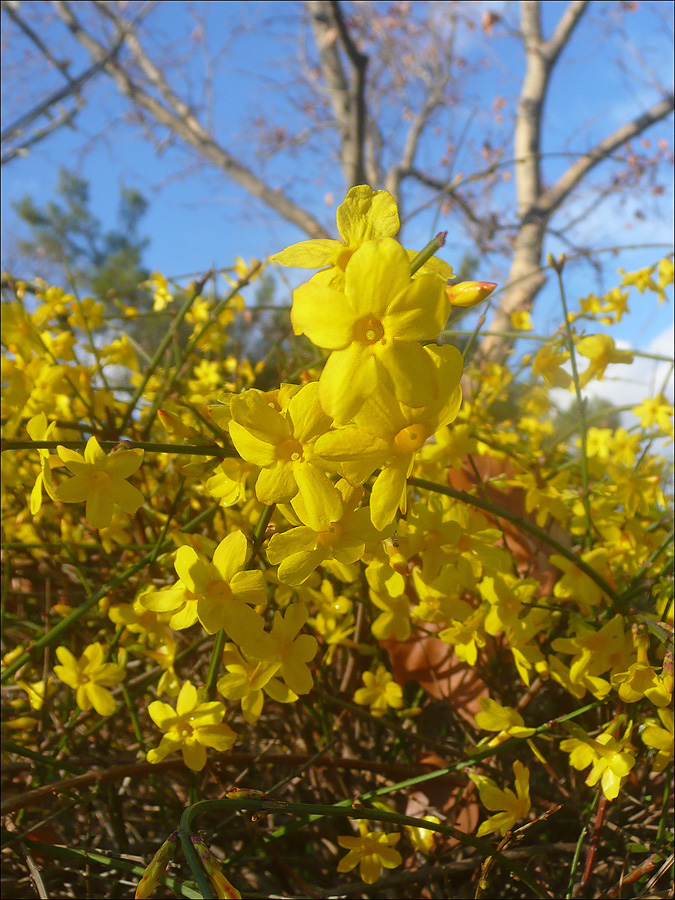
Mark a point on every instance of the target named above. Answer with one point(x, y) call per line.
point(667, 671)
point(154, 872)
point(469, 293)
point(224, 890)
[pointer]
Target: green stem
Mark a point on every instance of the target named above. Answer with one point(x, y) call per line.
point(577, 850)
point(427, 252)
point(85, 857)
point(194, 862)
point(581, 403)
point(192, 295)
point(151, 446)
point(191, 344)
point(214, 664)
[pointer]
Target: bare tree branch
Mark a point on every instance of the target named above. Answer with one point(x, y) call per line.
point(179, 119)
point(64, 118)
point(535, 204)
point(355, 166)
point(552, 198)
point(563, 31)
point(348, 101)
point(11, 7)
point(73, 86)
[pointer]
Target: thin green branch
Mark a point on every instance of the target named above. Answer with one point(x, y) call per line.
point(581, 403)
point(427, 252)
point(151, 446)
point(192, 295)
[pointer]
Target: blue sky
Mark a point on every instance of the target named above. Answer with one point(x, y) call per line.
point(197, 218)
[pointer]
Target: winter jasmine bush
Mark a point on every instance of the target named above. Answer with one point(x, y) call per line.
point(220, 555)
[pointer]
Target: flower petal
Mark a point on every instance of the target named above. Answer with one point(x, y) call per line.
point(347, 380)
point(310, 254)
point(366, 215)
point(323, 314)
point(410, 371)
point(230, 555)
point(249, 587)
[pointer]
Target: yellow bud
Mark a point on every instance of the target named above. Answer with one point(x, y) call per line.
point(245, 794)
point(174, 425)
point(156, 869)
point(469, 293)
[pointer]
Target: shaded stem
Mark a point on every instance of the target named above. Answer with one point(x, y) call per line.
point(196, 290)
point(427, 252)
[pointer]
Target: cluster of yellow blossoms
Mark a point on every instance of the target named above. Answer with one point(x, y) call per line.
point(350, 471)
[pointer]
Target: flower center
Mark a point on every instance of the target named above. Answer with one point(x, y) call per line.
point(99, 479)
point(185, 730)
point(219, 590)
point(411, 438)
point(327, 539)
point(343, 258)
point(369, 330)
point(290, 451)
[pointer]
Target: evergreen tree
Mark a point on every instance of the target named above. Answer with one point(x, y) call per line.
point(68, 244)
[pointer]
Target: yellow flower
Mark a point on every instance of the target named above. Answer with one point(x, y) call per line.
point(388, 593)
point(422, 838)
point(365, 215)
point(373, 329)
point(90, 677)
point(38, 429)
point(217, 592)
point(120, 352)
point(247, 679)
point(157, 283)
point(521, 321)
point(641, 681)
point(343, 537)
point(495, 717)
point(101, 481)
point(548, 363)
point(575, 585)
point(660, 738)
point(641, 279)
point(281, 442)
point(515, 806)
point(283, 645)
point(601, 351)
point(610, 757)
point(595, 652)
point(18, 331)
point(655, 411)
point(37, 691)
point(371, 852)
point(666, 276)
point(190, 728)
point(87, 314)
point(389, 433)
point(380, 692)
